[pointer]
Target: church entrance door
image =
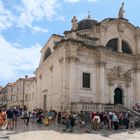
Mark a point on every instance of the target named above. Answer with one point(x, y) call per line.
point(118, 96)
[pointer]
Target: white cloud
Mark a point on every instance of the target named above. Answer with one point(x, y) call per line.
point(61, 18)
point(34, 10)
point(16, 44)
point(17, 61)
point(28, 11)
point(25, 19)
point(75, 1)
point(6, 17)
point(39, 29)
point(72, 1)
point(1, 6)
point(92, 0)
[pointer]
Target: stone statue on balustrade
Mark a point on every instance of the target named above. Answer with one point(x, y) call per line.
point(121, 11)
point(74, 23)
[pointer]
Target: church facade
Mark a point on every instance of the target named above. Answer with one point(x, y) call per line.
point(95, 63)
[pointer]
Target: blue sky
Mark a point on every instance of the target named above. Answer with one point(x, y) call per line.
point(26, 25)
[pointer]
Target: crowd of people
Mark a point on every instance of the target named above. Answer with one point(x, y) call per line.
point(9, 117)
point(96, 120)
point(103, 120)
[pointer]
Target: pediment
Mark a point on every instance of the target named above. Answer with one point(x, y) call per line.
point(122, 23)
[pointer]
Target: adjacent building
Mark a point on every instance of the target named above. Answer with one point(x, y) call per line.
point(17, 93)
point(0, 95)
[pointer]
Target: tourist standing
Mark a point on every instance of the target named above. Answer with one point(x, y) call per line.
point(2, 118)
point(10, 115)
point(96, 121)
point(15, 117)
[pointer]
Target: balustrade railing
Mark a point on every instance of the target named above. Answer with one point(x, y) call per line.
point(84, 106)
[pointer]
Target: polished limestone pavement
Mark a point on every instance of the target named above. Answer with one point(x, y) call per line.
point(41, 132)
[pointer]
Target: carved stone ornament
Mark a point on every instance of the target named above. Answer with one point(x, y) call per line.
point(104, 26)
point(117, 73)
point(121, 27)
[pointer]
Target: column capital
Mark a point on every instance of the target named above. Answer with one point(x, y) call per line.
point(101, 63)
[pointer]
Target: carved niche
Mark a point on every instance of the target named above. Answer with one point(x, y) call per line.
point(117, 73)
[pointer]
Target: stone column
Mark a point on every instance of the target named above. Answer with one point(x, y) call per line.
point(119, 44)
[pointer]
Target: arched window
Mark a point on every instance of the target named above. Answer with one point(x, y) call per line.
point(47, 54)
point(112, 44)
point(126, 48)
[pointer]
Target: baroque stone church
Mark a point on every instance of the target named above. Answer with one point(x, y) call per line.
point(95, 63)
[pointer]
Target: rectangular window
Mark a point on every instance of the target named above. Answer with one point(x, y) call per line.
point(86, 80)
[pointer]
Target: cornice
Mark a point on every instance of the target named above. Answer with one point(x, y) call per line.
point(72, 59)
point(122, 56)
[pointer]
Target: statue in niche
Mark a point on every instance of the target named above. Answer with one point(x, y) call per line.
point(128, 74)
point(74, 23)
point(121, 11)
point(116, 72)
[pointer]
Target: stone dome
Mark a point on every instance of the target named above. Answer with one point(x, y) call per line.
point(86, 24)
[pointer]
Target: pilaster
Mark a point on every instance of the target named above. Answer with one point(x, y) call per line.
point(137, 83)
point(100, 64)
point(71, 59)
point(101, 95)
point(137, 38)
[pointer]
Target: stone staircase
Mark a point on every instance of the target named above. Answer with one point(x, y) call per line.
point(134, 114)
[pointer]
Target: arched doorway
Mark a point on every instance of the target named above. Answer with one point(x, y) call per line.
point(118, 96)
